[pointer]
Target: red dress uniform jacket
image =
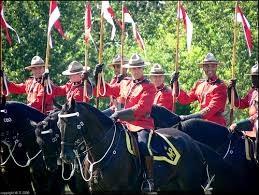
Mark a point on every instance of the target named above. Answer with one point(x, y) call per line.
point(35, 91)
point(74, 90)
point(114, 80)
point(250, 101)
point(245, 102)
point(212, 96)
point(164, 97)
point(139, 96)
point(116, 102)
point(113, 100)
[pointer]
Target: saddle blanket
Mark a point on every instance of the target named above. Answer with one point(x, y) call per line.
point(158, 146)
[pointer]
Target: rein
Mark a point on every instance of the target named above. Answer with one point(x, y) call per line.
point(11, 151)
point(92, 164)
point(208, 188)
point(15, 161)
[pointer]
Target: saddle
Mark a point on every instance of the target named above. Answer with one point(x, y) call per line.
point(158, 146)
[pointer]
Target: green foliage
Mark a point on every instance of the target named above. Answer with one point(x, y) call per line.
point(213, 32)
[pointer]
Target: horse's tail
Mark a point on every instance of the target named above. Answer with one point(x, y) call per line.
point(226, 179)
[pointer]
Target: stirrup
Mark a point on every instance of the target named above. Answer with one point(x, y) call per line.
point(148, 185)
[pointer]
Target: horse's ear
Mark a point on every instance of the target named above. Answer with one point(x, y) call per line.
point(72, 103)
point(56, 104)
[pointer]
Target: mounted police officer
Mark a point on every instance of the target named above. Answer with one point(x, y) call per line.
point(137, 96)
point(249, 101)
point(163, 93)
point(33, 86)
point(74, 87)
point(116, 65)
point(211, 93)
point(118, 77)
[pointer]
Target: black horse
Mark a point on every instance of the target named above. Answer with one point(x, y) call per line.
point(20, 149)
point(48, 137)
point(238, 150)
point(230, 145)
point(111, 166)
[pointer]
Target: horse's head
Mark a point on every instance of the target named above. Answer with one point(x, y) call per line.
point(8, 125)
point(80, 124)
point(70, 124)
point(17, 133)
point(48, 138)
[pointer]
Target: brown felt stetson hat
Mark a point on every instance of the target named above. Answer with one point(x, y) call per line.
point(157, 70)
point(254, 70)
point(36, 61)
point(209, 59)
point(135, 62)
point(117, 60)
point(74, 68)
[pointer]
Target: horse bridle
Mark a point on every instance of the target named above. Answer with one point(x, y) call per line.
point(81, 124)
point(53, 139)
point(76, 144)
point(17, 140)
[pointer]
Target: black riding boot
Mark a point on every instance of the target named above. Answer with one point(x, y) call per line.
point(148, 183)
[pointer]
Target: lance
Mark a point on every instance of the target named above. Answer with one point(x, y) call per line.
point(100, 61)
point(175, 87)
point(233, 63)
point(85, 79)
point(1, 70)
point(44, 81)
point(87, 45)
point(1, 95)
point(122, 35)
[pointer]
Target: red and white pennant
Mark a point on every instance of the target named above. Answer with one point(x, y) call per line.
point(54, 15)
point(6, 26)
point(246, 27)
point(181, 14)
point(88, 22)
point(136, 34)
point(108, 15)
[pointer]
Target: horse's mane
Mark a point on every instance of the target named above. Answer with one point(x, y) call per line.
point(105, 120)
point(22, 111)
